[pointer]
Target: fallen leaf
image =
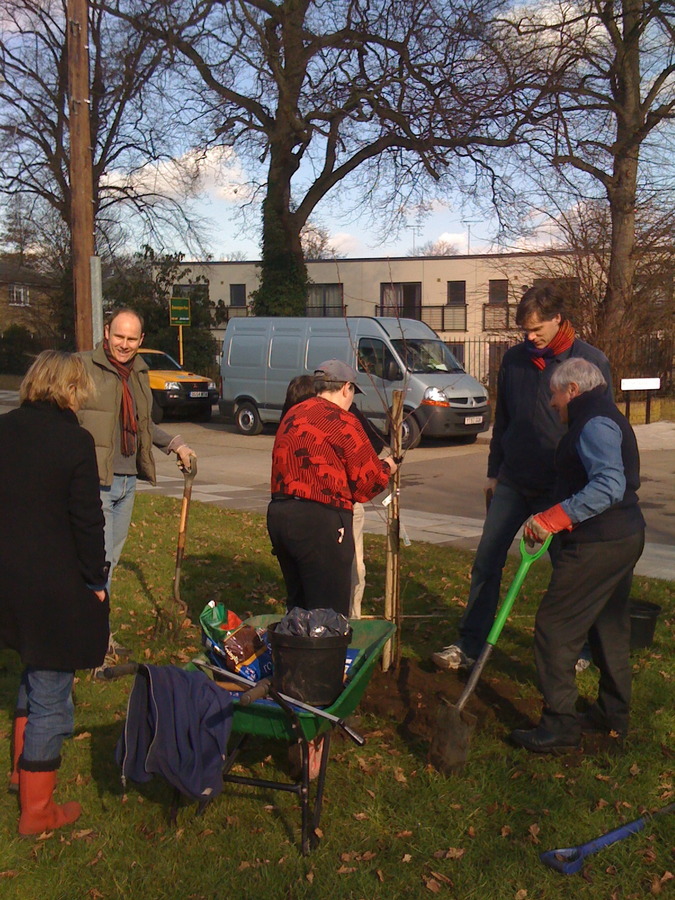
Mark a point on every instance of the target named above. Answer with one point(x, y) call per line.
point(505, 830)
point(602, 777)
point(346, 870)
point(379, 874)
point(83, 735)
point(634, 769)
point(441, 878)
point(404, 834)
point(534, 833)
point(521, 894)
point(360, 816)
point(79, 835)
point(455, 853)
point(400, 776)
point(406, 858)
point(310, 877)
point(432, 885)
point(9, 873)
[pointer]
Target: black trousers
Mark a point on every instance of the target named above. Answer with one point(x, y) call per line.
point(588, 595)
point(314, 544)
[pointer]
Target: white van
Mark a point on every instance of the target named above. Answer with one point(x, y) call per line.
point(262, 354)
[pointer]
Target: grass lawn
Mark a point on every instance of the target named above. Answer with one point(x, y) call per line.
point(392, 826)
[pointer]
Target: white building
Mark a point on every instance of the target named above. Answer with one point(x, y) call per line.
point(470, 301)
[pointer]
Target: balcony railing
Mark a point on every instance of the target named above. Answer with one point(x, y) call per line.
point(499, 316)
point(444, 318)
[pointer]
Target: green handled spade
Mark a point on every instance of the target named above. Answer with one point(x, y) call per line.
point(454, 726)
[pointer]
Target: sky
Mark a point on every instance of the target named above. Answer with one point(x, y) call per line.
point(223, 192)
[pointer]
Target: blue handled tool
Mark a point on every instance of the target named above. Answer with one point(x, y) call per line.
point(571, 859)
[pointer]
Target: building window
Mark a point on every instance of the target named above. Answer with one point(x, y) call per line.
point(237, 295)
point(19, 295)
point(498, 291)
point(454, 318)
point(402, 298)
point(456, 293)
point(325, 300)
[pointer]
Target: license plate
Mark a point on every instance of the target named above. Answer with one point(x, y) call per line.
point(197, 394)
point(473, 420)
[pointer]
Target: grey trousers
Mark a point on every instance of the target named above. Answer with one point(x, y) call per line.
point(588, 595)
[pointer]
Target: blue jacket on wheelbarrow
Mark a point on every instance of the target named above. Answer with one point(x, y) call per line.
point(178, 724)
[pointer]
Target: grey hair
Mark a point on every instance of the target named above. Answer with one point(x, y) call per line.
point(583, 373)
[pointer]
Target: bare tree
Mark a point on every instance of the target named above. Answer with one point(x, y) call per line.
point(614, 104)
point(384, 95)
point(439, 247)
point(135, 130)
point(316, 243)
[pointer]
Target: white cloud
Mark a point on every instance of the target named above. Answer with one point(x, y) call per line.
point(216, 174)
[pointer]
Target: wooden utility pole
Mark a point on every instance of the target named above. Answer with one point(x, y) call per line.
point(81, 175)
point(392, 583)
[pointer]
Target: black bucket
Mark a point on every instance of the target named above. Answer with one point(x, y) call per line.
point(309, 669)
point(643, 616)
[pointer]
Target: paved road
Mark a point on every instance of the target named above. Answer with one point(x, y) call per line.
point(441, 492)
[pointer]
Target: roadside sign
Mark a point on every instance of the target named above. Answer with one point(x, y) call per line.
point(179, 311)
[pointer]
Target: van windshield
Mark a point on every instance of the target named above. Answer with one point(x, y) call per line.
point(425, 357)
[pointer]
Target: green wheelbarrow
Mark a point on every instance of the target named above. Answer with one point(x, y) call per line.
point(277, 717)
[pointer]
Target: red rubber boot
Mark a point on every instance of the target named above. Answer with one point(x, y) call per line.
point(38, 811)
point(17, 744)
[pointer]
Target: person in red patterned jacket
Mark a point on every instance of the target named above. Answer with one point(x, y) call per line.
point(322, 462)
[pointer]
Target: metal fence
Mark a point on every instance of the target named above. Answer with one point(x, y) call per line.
point(648, 356)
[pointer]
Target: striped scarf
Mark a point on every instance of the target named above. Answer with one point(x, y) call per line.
point(128, 424)
point(563, 340)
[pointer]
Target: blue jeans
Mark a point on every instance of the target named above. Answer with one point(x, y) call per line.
point(46, 695)
point(118, 505)
point(509, 509)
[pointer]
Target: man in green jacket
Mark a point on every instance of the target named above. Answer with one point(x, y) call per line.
point(119, 419)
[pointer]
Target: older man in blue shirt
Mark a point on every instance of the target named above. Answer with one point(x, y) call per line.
point(601, 534)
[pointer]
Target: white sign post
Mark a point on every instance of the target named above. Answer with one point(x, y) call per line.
point(640, 384)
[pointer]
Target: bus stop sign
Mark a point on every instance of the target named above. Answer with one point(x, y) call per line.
point(179, 311)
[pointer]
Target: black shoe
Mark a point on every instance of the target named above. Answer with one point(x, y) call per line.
point(541, 740)
point(591, 724)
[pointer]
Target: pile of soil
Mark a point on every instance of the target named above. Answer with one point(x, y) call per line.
point(410, 696)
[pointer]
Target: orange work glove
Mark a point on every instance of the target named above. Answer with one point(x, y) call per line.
point(550, 521)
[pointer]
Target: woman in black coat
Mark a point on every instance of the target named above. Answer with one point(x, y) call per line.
point(53, 603)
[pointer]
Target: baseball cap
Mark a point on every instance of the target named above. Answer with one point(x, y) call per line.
point(338, 371)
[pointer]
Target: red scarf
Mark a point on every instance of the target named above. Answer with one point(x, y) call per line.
point(128, 424)
point(563, 340)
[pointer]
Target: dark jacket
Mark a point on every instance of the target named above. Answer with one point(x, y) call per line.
point(51, 540)
point(178, 724)
point(622, 518)
point(526, 429)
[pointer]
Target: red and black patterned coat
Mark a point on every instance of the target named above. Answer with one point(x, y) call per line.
point(321, 453)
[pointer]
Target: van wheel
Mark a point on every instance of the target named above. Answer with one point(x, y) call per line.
point(410, 432)
point(247, 419)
